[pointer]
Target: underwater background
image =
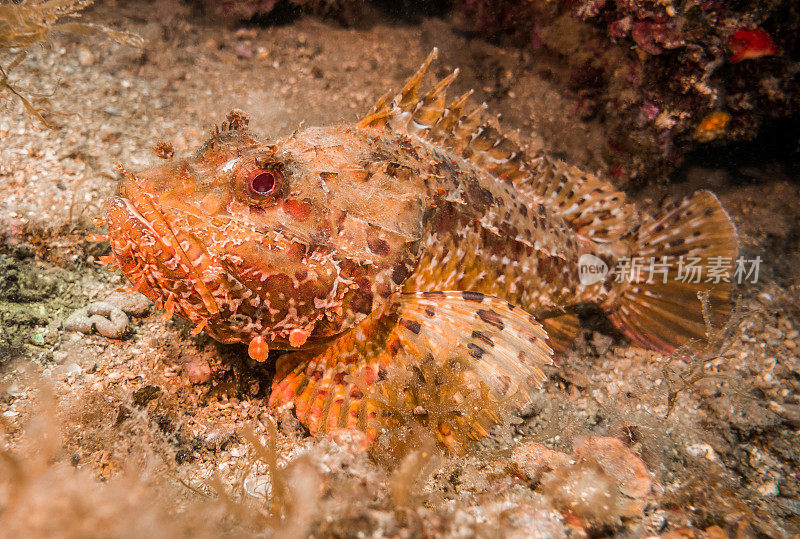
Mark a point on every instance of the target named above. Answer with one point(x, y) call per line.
point(126, 424)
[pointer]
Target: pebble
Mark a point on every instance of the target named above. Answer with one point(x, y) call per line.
point(243, 51)
point(109, 321)
point(133, 304)
point(198, 371)
point(768, 488)
point(601, 343)
point(218, 439)
point(258, 486)
point(85, 57)
point(618, 462)
point(534, 459)
point(702, 450)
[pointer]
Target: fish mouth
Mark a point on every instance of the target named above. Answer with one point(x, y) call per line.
point(162, 250)
point(162, 260)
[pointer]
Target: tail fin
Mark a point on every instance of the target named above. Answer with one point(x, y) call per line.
point(689, 247)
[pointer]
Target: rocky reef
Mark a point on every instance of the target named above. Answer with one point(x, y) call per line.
point(666, 76)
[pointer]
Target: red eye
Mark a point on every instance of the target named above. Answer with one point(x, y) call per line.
point(263, 183)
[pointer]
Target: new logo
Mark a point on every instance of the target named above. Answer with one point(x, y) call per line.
point(591, 269)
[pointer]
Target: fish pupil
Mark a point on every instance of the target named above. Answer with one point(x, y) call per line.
point(263, 183)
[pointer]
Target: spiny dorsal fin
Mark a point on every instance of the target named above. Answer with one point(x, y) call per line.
point(591, 205)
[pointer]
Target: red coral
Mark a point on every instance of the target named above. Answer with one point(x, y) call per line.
point(749, 44)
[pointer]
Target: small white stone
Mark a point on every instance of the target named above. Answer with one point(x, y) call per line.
point(702, 450)
point(769, 488)
point(258, 486)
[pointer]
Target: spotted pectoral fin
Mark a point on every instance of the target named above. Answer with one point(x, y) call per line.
point(497, 350)
point(505, 345)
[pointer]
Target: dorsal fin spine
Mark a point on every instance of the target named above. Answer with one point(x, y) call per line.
point(591, 205)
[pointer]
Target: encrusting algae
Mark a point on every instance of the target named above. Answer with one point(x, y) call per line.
point(420, 239)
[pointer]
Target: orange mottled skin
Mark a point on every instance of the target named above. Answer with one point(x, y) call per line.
point(359, 214)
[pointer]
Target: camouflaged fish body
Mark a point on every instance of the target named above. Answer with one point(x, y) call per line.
point(420, 233)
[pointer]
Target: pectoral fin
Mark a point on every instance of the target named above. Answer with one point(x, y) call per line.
point(496, 349)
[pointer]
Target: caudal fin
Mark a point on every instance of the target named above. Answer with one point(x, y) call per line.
point(689, 247)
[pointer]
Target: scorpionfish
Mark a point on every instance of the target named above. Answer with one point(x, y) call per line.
point(419, 235)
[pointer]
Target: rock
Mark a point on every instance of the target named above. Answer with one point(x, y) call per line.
point(617, 461)
point(258, 486)
point(702, 450)
point(198, 371)
point(109, 321)
point(530, 521)
point(601, 343)
point(218, 439)
point(85, 57)
point(768, 488)
point(534, 459)
point(133, 304)
point(243, 51)
point(587, 492)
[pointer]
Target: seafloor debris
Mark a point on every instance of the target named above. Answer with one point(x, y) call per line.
point(601, 482)
point(109, 321)
point(133, 304)
point(110, 317)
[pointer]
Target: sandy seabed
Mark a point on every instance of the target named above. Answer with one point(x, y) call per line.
point(165, 433)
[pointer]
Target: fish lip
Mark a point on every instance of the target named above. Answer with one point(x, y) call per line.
point(137, 203)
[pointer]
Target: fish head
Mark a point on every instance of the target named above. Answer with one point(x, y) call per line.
point(280, 241)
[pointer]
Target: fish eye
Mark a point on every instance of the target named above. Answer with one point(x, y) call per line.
point(263, 183)
point(258, 180)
